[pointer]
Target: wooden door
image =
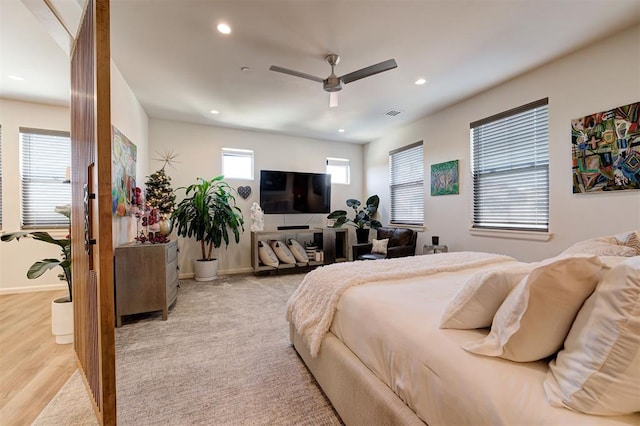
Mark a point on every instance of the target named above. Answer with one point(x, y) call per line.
point(92, 247)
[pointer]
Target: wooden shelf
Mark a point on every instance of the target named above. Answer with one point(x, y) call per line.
point(333, 242)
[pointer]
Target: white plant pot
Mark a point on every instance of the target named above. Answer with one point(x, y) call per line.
point(62, 320)
point(205, 270)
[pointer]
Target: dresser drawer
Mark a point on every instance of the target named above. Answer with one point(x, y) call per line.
point(172, 271)
point(172, 251)
point(172, 292)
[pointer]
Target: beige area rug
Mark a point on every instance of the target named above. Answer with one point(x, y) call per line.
point(222, 358)
point(71, 406)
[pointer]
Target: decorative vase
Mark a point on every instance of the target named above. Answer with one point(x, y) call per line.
point(62, 320)
point(205, 270)
point(362, 235)
point(165, 226)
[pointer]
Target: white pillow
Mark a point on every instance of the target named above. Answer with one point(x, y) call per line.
point(612, 261)
point(630, 239)
point(266, 254)
point(281, 250)
point(297, 250)
point(599, 248)
point(535, 318)
point(478, 301)
point(598, 371)
point(380, 246)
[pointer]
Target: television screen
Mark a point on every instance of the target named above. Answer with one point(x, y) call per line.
point(294, 192)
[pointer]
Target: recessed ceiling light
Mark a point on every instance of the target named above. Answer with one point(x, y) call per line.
point(224, 28)
point(16, 78)
point(341, 130)
point(420, 82)
point(245, 69)
point(214, 111)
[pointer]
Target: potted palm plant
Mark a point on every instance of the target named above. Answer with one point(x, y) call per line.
point(209, 214)
point(61, 308)
point(362, 218)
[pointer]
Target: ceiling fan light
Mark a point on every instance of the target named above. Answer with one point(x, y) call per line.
point(333, 99)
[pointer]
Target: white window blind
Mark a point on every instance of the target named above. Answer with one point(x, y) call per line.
point(510, 166)
point(237, 163)
point(44, 158)
point(339, 169)
point(406, 178)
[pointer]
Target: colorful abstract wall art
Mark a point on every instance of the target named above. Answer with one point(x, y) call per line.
point(123, 172)
point(605, 149)
point(444, 178)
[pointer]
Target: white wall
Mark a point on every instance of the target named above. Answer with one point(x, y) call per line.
point(599, 77)
point(16, 257)
point(132, 121)
point(199, 155)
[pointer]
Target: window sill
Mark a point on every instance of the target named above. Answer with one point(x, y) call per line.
point(54, 232)
point(511, 234)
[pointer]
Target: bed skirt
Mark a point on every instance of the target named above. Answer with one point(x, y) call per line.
point(359, 397)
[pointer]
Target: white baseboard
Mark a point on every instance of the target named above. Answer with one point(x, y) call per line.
point(190, 275)
point(236, 271)
point(53, 287)
point(34, 288)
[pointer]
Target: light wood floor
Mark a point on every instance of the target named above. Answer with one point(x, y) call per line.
point(33, 367)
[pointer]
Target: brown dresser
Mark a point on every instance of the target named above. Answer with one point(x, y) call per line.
point(146, 278)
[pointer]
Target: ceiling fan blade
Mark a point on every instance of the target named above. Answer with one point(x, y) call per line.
point(295, 73)
point(369, 71)
point(333, 99)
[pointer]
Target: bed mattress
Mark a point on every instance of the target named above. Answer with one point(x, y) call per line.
point(392, 328)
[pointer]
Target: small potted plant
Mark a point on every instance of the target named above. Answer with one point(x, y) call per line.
point(209, 214)
point(362, 219)
point(61, 308)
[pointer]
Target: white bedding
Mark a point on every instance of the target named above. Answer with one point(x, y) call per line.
point(391, 327)
point(312, 305)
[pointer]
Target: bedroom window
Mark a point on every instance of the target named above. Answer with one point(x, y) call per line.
point(510, 166)
point(406, 179)
point(44, 158)
point(237, 163)
point(339, 169)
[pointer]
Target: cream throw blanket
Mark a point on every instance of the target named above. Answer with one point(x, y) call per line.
point(312, 306)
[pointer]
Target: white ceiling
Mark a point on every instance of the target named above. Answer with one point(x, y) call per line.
point(179, 67)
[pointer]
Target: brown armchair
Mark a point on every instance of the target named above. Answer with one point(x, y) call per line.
point(402, 242)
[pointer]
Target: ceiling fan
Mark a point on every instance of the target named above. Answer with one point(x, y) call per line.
point(333, 83)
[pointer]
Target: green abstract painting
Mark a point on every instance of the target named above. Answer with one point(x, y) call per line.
point(444, 178)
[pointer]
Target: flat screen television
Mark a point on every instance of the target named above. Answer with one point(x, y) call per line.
point(294, 192)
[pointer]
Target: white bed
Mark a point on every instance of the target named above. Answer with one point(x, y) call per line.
point(384, 360)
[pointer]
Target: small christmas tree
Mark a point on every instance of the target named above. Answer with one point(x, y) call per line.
point(160, 194)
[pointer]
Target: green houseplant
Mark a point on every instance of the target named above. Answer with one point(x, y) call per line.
point(41, 266)
point(209, 214)
point(62, 308)
point(362, 216)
